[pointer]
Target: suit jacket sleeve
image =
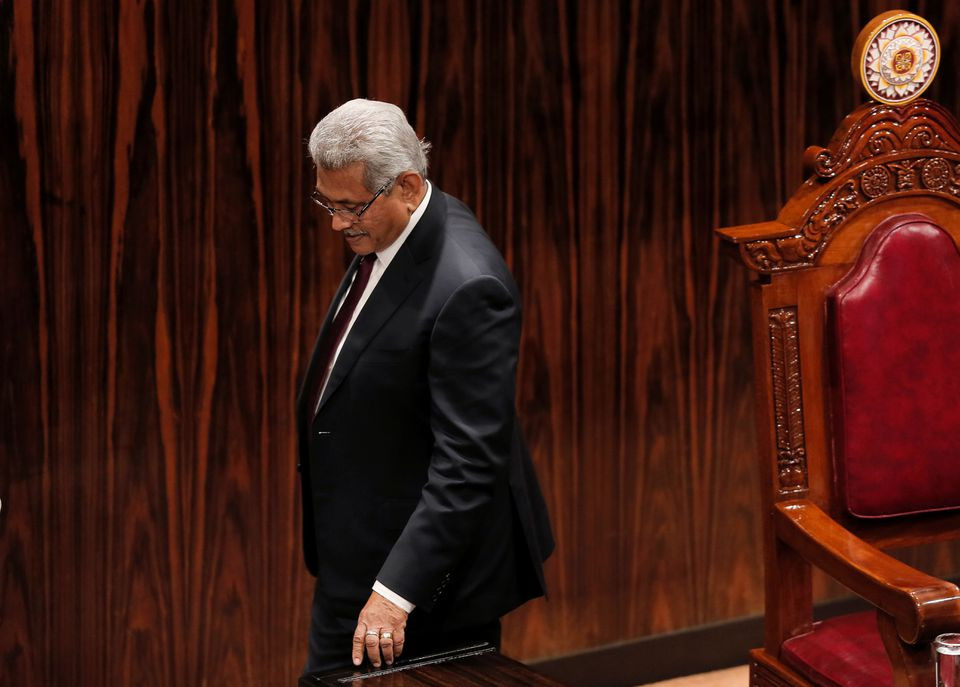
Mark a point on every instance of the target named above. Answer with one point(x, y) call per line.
point(472, 367)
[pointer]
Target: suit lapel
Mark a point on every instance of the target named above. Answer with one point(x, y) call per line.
point(393, 288)
point(309, 377)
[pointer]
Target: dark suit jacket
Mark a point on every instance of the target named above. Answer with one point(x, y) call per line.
point(414, 470)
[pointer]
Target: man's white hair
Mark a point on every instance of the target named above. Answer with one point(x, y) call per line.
point(374, 133)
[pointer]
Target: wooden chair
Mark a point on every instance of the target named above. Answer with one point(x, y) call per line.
point(856, 326)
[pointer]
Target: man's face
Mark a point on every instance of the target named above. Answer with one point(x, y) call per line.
point(382, 222)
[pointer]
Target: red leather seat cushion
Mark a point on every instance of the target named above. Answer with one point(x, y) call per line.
point(841, 652)
point(894, 320)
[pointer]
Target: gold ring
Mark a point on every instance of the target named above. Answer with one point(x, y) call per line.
point(386, 635)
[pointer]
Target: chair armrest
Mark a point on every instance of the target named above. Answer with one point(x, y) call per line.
point(921, 605)
point(756, 232)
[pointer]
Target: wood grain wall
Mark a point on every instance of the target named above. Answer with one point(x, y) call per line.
point(162, 276)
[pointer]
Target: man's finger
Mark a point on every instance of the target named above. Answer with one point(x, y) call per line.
point(398, 639)
point(371, 639)
point(358, 643)
point(386, 646)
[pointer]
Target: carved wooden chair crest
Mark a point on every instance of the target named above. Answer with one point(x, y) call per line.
point(856, 321)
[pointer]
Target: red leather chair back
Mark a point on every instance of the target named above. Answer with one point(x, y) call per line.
point(894, 330)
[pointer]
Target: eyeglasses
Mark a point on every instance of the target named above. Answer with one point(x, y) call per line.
point(349, 213)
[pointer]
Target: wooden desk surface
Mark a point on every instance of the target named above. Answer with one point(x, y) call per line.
point(479, 666)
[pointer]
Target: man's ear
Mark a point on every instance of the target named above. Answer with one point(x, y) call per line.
point(411, 187)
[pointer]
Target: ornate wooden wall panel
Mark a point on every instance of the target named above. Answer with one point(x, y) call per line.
point(163, 277)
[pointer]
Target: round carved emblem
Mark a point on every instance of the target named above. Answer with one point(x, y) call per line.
point(896, 57)
point(935, 174)
point(875, 181)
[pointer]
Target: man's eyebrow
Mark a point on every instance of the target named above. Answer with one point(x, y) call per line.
point(342, 201)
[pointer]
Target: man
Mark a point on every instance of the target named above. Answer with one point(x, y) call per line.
point(423, 520)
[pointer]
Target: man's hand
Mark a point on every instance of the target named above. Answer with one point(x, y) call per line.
point(379, 630)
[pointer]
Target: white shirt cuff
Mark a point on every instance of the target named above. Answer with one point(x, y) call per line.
point(393, 597)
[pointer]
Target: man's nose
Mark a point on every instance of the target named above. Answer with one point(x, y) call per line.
point(338, 222)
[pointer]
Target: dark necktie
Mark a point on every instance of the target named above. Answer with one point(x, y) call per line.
point(334, 334)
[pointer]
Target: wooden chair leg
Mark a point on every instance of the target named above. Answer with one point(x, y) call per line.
point(788, 597)
point(767, 671)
